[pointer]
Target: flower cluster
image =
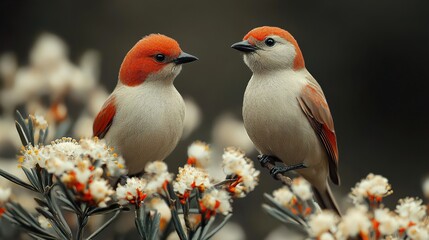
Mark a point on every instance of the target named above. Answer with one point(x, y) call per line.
point(237, 166)
point(190, 178)
point(241, 179)
point(137, 189)
point(373, 188)
point(365, 220)
point(81, 166)
point(199, 154)
point(296, 198)
point(215, 201)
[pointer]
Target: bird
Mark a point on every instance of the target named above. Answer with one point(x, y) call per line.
point(285, 111)
point(142, 119)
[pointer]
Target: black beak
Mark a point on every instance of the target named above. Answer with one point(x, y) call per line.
point(244, 46)
point(184, 58)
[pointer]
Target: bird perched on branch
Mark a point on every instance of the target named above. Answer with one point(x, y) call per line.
point(285, 111)
point(143, 117)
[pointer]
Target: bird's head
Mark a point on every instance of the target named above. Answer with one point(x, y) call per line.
point(270, 48)
point(154, 58)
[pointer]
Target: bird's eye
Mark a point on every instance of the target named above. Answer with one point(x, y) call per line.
point(159, 57)
point(270, 42)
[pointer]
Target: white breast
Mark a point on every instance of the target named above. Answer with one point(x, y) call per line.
point(274, 120)
point(148, 122)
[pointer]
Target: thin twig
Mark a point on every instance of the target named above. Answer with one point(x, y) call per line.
point(282, 178)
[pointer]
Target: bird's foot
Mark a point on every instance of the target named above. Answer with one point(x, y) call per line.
point(265, 159)
point(284, 169)
point(122, 180)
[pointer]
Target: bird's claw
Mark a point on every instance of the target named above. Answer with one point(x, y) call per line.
point(264, 159)
point(284, 169)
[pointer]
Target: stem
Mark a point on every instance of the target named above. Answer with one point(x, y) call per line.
point(82, 221)
point(185, 208)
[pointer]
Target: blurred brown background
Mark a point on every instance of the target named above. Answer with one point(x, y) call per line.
point(371, 58)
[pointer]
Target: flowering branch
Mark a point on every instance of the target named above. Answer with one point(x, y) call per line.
point(67, 175)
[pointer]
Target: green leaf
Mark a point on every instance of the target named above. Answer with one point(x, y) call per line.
point(31, 131)
point(218, 227)
point(16, 180)
point(21, 121)
point(32, 180)
point(93, 235)
point(106, 210)
point(284, 210)
point(289, 222)
point(154, 228)
point(21, 134)
point(178, 225)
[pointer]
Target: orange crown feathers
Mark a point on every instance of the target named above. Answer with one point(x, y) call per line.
point(261, 33)
point(139, 62)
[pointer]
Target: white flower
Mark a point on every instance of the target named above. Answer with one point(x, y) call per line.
point(228, 130)
point(374, 187)
point(189, 178)
point(156, 167)
point(39, 122)
point(302, 188)
point(216, 201)
point(237, 165)
point(100, 191)
point(426, 187)
point(33, 155)
point(83, 170)
point(284, 196)
point(388, 223)
point(48, 51)
point(67, 146)
point(4, 195)
point(44, 223)
point(199, 154)
point(192, 117)
point(322, 222)
point(355, 222)
point(98, 151)
point(326, 236)
point(411, 209)
point(418, 233)
point(8, 67)
point(132, 192)
point(58, 165)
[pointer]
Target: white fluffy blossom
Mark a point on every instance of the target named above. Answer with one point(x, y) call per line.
point(426, 188)
point(4, 195)
point(284, 197)
point(322, 222)
point(199, 154)
point(44, 223)
point(418, 232)
point(373, 187)
point(158, 176)
point(100, 191)
point(387, 221)
point(411, 209)
point(132, 192)
point(39, 122)
point(34, 155)
point(353, 223)
point(326, 236)
point(302, 188)
point(98, 150)
point(216, 201)
point(190, 177)
point(235, 164)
